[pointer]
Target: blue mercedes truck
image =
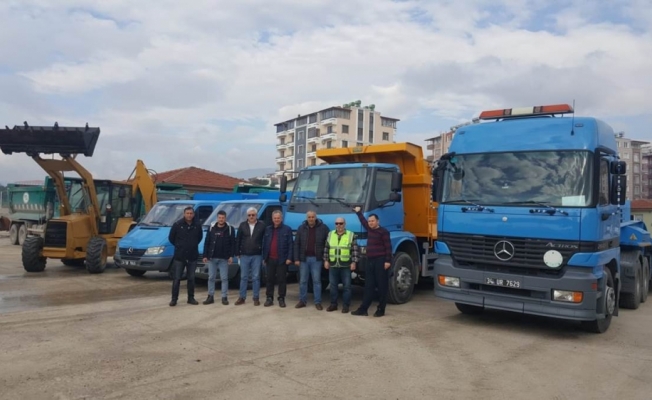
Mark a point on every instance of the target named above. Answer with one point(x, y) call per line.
point(533, 218)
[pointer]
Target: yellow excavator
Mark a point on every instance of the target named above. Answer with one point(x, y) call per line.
point(94, 213)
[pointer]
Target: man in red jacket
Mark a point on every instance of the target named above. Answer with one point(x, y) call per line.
point(379, 259)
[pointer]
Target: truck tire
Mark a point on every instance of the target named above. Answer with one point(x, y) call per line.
point(13, 234)
point(22, 234)
point(31, 254)
point(609, 299)
point(469, 309)
point(645, 284)
point(135, 272)
point(633, 300)
point(401, 283)
point(96, 255)
point(73, 262)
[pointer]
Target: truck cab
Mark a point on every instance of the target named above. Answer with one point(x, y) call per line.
point(530, 209)
point(146, 247)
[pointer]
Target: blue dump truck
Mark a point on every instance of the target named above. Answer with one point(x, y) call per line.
point(146, 247)
point(236, 212)
point(391, 180)
point(533, 219)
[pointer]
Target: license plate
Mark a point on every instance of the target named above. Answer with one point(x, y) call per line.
point(503, 282)
point(130, 263)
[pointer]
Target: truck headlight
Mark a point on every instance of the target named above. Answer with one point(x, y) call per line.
point(567, 296)
point(448, 281)
point(154, 251)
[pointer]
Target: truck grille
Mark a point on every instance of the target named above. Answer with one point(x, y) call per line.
point(134, 252)
point(55, 234)
point(476, 250)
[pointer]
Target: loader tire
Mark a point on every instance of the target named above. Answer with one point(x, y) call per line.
point(33, 261)
point(96, 255)
point(13, 234)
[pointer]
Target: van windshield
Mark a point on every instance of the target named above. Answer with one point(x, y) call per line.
point(236, 213)
point(164, 214)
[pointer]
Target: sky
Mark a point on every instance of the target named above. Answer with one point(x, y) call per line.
point(202, 83)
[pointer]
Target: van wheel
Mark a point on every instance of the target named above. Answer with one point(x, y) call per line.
point(135, 272)
point(609, 305)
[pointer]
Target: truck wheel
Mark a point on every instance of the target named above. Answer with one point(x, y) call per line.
point(96, 255)
point(135, 272)
point(13, 234)
point(22, 234)
point(469, 309)
point(645, 284)
point(33, 261)
point(401, 284)
point(633, 300)
point(73, 262)
point(609, 305)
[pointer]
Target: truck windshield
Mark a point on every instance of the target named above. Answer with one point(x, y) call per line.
point(331, 186)
point(554, 178)
point(164, 214)
point(236, 213)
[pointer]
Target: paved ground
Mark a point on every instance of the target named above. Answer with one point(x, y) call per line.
point(65, 334)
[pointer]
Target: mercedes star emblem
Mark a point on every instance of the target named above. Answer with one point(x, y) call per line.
point(504, 250)
point(131, 250)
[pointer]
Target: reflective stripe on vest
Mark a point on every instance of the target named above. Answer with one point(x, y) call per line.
point(340, 246)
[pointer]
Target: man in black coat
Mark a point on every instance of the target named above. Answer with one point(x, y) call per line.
point(185, 236)
point(308, 256)
point(249, 249)
point(219, 249)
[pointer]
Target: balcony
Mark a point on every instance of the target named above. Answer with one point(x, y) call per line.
point(328, 136)
point(312, 139)
point(282, 146)
point(329, 121)
point(311, 154)
point(281, 134)
point(430, 147)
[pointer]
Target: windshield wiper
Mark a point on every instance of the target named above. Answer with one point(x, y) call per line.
point(339, 200)
point(550, 210)
point(310, 199)
point(478, 207)
point(150, 223)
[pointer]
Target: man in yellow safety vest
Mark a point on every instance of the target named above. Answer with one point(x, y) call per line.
point(340, 257)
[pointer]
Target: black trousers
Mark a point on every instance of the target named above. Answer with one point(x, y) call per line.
point(276, 275)
point(177, 272)
point(376, 277)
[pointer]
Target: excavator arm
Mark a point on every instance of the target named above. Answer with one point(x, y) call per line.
point(142, 181)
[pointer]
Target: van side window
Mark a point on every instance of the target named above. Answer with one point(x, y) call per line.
point(267, 218)
point(203, 212)
point(603, 195)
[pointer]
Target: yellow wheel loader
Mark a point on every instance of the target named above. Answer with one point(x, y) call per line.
point(94, 214)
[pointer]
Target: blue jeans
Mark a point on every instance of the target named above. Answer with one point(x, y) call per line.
point(337, 275)
point(250, 265)
point(313, 267)
point(213, 265)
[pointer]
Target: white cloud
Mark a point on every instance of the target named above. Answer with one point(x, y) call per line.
point(179, 83)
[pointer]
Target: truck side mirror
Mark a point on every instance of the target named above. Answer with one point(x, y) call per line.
point(397, 182)
point(618, 167)
point(618, 192)
point(283, 184)
point(395, 197)
point(283, 197)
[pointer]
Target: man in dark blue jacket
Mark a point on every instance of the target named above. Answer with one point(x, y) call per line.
point(277, 255)
point(185, 235)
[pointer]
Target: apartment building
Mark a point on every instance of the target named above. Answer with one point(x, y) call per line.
point(438, 145)
point(646, 171)
point(348, 126)
point(631, 151)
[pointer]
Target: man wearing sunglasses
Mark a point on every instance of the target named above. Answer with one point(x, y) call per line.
point(249, 249)
point(340, 257)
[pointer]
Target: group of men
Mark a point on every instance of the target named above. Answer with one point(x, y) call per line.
point(273, 247)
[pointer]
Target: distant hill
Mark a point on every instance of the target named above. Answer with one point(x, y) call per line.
point(250, 173)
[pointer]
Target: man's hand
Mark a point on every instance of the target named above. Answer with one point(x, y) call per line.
point(288, 262)
point(352, 266)
point(327, 265)
point(297, 263)
point(356, 208)
point(387, 265)
point(205, 260)
point(230, 260)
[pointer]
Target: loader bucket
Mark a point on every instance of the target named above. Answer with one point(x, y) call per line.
point(49, 140)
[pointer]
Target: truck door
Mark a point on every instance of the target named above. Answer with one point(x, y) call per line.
point(267, 214)
point(609, 220)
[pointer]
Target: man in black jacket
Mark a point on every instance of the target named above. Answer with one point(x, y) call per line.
point(185, 236)
point(308, 256)
point(249, 249)
point(219, 249)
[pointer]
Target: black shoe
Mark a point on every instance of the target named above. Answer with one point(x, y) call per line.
point(379, 313)
point(359, 311)
point(281, 302)
point(268, 302)
point(332, 307)
point(209, 300)
point(345, 310)
point(225, 302)
point(173, 303)
point(192, 301)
